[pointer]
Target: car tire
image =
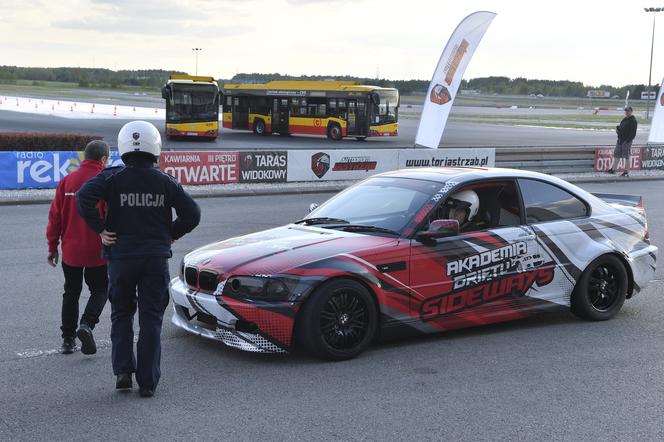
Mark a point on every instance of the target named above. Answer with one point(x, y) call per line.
point(338, 321)
point(601, 290)
point(334, 132)
point(259, 127)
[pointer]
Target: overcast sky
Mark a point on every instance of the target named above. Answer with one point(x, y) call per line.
point(596, 42)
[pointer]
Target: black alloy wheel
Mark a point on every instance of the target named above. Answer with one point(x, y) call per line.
point(339, 320)
point(343, 320)
point(601, 290)
point(603, 287)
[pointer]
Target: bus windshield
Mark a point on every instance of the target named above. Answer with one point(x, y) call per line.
point(387, 108)
point(192, 103)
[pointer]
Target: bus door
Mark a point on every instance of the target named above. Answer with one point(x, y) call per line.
point(240, 113)
point(361, 118)
point(280, 114)
point(352, 117)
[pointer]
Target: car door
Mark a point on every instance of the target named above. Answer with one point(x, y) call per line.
point(555, 215)
point(479, 276)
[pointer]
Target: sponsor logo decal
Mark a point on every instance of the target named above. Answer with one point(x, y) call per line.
point(484, 277)
point(440, 95)
point(453, 63)
point(355, 163)
point(320, 164)
point(511, 285)
point(135, 135)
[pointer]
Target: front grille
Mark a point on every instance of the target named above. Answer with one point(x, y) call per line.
point(191, 276)
point(208, 280)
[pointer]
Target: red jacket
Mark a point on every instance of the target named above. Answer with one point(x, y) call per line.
point(81, 246)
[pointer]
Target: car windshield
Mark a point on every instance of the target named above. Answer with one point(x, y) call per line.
point(387, 203)
point(193, 103)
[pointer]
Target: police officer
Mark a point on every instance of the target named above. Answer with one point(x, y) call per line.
point(137, 235)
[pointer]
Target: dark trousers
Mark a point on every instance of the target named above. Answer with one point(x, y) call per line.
point(150, 277)
point(96, 279)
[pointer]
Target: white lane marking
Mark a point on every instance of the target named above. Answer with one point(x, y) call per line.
point(37, 353)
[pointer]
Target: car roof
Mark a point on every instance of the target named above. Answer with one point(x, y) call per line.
point(461, 174)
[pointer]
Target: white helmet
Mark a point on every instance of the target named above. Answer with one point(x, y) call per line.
point(466, 199)
point(139, 136)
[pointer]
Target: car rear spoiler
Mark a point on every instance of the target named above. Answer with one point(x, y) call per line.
point(625, 200)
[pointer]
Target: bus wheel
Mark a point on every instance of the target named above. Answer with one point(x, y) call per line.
point(334, 132)
point(259, 127)
point(361, 138)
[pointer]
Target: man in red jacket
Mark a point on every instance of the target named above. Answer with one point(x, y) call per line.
point(81, 252)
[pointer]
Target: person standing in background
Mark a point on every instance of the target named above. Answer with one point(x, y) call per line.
point(81, 253)
point(626, 131)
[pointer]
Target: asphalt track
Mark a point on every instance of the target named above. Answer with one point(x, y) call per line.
point(457, 134)
point(552, 377)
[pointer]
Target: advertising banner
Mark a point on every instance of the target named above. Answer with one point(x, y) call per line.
point(325, 165)
point(203, 167)
point(263, 167)
point(656, 134)
point(484, 157)
point(447, 77)
point(652, 157)
point(41, 170)
point(604, 159)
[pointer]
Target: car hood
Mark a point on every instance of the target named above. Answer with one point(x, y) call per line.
point(278, 250)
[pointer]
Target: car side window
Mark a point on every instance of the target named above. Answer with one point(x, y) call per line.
point(498, 206)
point(546, 202)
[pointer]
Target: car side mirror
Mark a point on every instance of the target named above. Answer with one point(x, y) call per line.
point(313, 206)
point(439, 228)
point(165, 92)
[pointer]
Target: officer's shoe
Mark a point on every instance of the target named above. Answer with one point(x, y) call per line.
point(68, 346)
point(123, 381)
point(146, 392)
point(84, 333)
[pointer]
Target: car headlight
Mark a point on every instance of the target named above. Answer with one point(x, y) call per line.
point(257, 288)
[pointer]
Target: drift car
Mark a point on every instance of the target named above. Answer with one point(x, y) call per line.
point(382, 258)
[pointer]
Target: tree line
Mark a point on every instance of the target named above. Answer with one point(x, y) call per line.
point(87, 77)
point(155, 78)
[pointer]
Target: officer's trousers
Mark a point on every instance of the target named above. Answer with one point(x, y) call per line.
point(150, 277)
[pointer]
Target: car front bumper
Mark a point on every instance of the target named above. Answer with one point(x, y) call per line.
point(203, 315)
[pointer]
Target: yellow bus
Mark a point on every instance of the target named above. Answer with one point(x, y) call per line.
point(192, 106)
point(335, 109)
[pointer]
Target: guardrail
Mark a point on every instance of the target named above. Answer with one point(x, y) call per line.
point(549, 159)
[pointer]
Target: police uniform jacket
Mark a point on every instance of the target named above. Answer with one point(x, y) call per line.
point(139, 199)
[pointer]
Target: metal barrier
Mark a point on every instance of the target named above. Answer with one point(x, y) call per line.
point(547, 159)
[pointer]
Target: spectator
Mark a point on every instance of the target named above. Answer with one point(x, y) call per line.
point(81, 253)
point(626, 131)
